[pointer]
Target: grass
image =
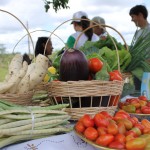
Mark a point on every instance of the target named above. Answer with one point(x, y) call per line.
point(4, 62)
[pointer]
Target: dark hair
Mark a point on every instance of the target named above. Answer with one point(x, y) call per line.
point(39, 48)
point(85, 24)
point(27, 58)
point(139, 9)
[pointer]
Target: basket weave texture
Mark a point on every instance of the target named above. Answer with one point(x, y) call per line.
point(85, 88)
point(92, 96)
point(24, 99)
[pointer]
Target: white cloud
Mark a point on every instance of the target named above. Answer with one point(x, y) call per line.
point(115, 13)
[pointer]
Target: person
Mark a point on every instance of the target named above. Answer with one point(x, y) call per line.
point(80, 25)
point(139, 16)
point(27, 58)
point(101, 32)
point(44, 47)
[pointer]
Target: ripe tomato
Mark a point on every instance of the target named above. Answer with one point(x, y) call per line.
point(87, 121)
point(91, 133)
point(142, 97)
point(95, 64)
point(79, 127)
point(102, 130)
point(136, 144)
point(145, 110)
point(105, 139)
point(121, 138)
point(100, 120)
point(115, 76)
point(112, 128)
point(140, 126)
point(117, 145)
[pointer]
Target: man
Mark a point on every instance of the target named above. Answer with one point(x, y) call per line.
point(139, 16)
point(140, 45)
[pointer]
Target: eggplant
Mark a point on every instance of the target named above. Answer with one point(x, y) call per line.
point(73, 66)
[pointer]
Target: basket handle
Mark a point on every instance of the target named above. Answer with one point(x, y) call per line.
point(110, 37)
point(33, 32)
point(21, 24)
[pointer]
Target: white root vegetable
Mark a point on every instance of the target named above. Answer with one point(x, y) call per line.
point(15, 66)
point(4, 86)
point(39, 72)
point(16, 78)
point(24, 84)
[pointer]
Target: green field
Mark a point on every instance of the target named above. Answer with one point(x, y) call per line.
point(4, 62)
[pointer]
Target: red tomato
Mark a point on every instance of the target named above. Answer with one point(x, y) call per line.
point(102, 130)
point(131, 132)
point(100, 120)
point(104, 140)
point(142, 97)
point(120, 138)
point(148, 104)
point(145, 110)
point(116, 145)
point(140, 126)
point(95, 64)
point(87, 121)
point(118, 72)
point(106, 114)
point(91, 133)
point(112, 128)
point(115, 76)
point(114, 100)
point(79, 127)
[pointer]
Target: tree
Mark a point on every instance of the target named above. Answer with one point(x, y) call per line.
point(2, 49)
point(57, 4)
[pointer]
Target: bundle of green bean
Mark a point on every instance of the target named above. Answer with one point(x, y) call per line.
point(19, 123)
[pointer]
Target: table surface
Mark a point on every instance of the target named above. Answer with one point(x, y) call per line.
point(69, 141)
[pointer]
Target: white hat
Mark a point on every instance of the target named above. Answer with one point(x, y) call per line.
point(99, 20)
point(79, 15)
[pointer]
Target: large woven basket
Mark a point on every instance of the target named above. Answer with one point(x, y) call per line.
point(25, 98)
point(86, 96)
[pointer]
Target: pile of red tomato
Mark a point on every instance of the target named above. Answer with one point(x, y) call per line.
point(139, 105)
point(120, 131)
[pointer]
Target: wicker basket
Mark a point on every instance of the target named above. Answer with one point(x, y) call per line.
point(87, 97)
point(19, 99)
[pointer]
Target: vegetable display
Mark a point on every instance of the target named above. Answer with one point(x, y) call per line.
point(19, 123)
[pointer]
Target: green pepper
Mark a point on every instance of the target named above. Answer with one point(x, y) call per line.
point(129, 108)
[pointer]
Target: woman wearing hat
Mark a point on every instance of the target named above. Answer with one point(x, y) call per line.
point(101, 32)
point(80, 25)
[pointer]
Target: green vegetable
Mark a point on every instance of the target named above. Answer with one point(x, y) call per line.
point(102, 74)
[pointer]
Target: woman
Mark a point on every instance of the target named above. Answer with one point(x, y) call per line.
point(44, 47)
point(80, 25)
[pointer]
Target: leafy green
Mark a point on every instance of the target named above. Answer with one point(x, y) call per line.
point(102, 74)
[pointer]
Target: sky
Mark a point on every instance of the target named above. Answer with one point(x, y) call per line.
point(31, 13)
